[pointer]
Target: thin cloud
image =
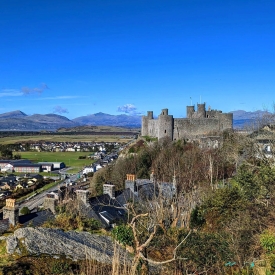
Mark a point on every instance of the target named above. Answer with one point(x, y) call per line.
point(37, 90)
point(58, 97)
point(10, 92)
point(60, 110)
point(128, 109)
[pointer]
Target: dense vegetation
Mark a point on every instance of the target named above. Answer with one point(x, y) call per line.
point(224, 202)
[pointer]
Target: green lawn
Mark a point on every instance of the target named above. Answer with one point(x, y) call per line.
point(69, 158)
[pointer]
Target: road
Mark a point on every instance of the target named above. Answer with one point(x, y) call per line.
point(39, 199)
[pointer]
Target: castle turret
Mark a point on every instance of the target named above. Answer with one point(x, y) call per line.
point(145, 121)
point(165, 125)
point(190, 110)
point(150, 114)
point(201, 110)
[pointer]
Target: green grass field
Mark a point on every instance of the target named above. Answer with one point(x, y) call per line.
point(64, 138)
point(69, 158)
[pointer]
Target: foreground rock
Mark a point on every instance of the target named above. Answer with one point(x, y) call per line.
point(54, 242)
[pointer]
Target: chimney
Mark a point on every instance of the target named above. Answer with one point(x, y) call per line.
point(130, 177)
point(11, 212)
point(50, 203)
point(83, 195)
point(110, 190)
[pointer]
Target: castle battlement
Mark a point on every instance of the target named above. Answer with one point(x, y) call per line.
point(198, 123)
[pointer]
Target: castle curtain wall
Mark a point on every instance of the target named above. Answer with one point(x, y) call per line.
point(184, 128)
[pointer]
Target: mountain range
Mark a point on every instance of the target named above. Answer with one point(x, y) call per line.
point(19, 121)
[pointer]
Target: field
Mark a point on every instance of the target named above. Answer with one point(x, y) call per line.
point(69, 158)
point(65, 138)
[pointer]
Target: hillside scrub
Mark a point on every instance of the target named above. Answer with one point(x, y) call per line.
point(225, 196)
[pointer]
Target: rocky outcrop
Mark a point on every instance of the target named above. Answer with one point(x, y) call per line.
point(75, 245)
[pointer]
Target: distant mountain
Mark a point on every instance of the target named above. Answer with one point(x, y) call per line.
point(109, 120)
point(242, 118)
point(14, 114)
point(19, 121)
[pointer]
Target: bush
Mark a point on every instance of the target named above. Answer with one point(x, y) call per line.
point(25, 210)
point(123, 234)
point(82, 157)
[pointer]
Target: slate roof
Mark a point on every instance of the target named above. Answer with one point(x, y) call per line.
point(110, 209)
point(26, 165)
point(36, 218)
point(123, 197)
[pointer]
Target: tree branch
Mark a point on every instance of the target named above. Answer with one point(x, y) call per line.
point(170, 260)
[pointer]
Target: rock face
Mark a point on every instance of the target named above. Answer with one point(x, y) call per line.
point(76, 245)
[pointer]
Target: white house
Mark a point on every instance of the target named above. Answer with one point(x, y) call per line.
point(90, 169)
point(98, 167)
point(7, 168)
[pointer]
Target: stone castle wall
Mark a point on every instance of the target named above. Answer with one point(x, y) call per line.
point(197, 123)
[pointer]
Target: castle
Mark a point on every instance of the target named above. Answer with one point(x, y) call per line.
point(198, 123)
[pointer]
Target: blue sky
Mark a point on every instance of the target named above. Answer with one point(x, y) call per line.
point(82, 57)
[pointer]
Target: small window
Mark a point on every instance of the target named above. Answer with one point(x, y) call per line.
point(165, 131)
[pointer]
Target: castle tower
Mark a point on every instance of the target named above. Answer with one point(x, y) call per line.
point(201, 110)
point(165, 125)
point(110, 190)
point(190, 110)
point(11, 212)
point(145, 122)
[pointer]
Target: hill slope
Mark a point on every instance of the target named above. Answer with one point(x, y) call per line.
point(109, 120)
point(18, 121)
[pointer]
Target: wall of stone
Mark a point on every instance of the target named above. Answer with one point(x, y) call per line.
point(153, 126)
point(185, 128)
point(226, 121)
point(144, 126)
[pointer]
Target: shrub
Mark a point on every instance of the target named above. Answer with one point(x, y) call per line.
point(123, 234)
point(25, 210)
point(267, 240)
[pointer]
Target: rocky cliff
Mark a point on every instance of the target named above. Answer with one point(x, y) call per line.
point(54, 242)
